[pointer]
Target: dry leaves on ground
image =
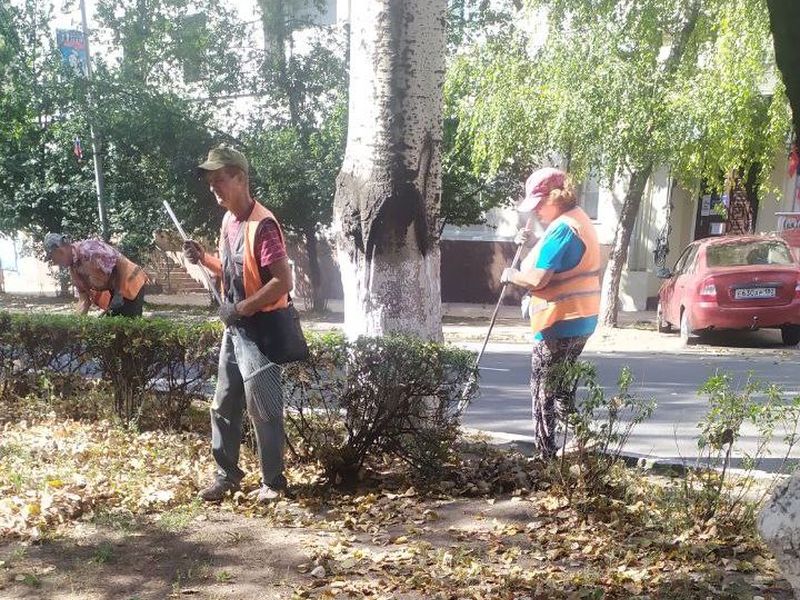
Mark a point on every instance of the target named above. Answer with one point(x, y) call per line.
point(487, 531)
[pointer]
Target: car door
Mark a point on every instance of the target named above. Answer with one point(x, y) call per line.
point(670, 297)
point(684, 283)
point(667, 291)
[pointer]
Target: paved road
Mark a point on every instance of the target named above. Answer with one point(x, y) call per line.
point(672, 378)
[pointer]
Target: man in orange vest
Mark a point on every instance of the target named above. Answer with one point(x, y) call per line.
point(101, 274)
point(562, 276)
point(256, 277)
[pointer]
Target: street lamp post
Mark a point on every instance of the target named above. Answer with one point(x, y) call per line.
point(99, 179)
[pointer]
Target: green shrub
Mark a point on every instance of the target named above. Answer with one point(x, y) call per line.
point(33, 345)
point(394, 395)
point(156, 360)
point(708, 492)
point(601, 425)
point(149, 364)
point(374, 396)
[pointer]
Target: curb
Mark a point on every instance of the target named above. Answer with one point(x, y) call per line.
point(666, 467)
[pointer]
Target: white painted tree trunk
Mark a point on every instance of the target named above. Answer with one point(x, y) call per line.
point(388, 192)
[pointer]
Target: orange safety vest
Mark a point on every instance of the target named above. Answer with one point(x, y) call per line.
point(251, 273)
point(132, 280)
point(573, 294)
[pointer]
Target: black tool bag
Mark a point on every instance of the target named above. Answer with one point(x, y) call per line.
point(278, 334)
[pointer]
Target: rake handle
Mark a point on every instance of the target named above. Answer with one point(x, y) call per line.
point(206, 276)
point(514, 264)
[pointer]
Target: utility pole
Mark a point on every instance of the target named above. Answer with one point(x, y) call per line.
point(99, 179)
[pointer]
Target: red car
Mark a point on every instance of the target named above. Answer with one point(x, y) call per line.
point(732, 282)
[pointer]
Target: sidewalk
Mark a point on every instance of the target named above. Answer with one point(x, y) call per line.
point(453, 312)
point(508, 315)
point(461, 322)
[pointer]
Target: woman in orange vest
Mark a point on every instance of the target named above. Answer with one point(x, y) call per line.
point(256, 278)
point(562, 276)
point(101, 274)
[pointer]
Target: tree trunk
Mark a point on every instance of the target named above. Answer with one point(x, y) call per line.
point(314, 272)
point(388, 193)
point(784, 17)
point(609, 300)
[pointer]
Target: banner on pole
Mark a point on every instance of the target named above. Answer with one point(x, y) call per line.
point(72, 45)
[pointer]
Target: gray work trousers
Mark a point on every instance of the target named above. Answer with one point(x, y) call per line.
point(232, 396)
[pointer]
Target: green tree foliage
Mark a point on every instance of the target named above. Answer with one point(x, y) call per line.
point(469, 189)
point(156, 103)
point(621, 88)
point(153, 132)
point(297, 141)
point(42, 185)
point(175, 44)
point(165, 71)
point(728, 112)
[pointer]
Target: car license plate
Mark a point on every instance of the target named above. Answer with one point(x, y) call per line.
point(748, 293)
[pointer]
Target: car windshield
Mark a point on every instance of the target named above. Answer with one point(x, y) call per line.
point(739, 254)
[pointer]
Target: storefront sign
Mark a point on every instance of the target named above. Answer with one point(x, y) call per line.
point(705, 206)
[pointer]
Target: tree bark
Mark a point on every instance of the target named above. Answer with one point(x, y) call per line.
point(609, 300)
point(784, 18)
point(388, 193)
point(314, 271)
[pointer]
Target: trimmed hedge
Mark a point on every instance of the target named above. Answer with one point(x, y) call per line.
point(392, 395)
point(141, 359)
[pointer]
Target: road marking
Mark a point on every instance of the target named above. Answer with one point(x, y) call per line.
point(493, 369)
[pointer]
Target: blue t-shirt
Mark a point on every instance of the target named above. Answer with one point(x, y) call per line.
point(561, 251)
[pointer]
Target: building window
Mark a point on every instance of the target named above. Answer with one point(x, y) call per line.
point(589, 195)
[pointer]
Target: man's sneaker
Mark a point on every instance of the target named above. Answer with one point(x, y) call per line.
point(266, 494)
point(217, 490)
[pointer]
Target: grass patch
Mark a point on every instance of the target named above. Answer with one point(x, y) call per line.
point(16, 554)
point(492, 523)
point(178, 518)
point(31, 580)
point(113, 473)
point(103, 554)
point(197, 570)
point(121, 520)
point(223, 576)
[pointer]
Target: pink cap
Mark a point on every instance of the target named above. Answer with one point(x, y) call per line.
point(539, 185)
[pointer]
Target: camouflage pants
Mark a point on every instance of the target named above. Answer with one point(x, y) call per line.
point(553, 395)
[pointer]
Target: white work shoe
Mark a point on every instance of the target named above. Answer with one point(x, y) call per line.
point(266, 495)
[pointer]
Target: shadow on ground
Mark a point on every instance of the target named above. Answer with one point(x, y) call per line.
point(223, 556)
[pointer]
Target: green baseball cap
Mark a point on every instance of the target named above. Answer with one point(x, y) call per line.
point(224, 156)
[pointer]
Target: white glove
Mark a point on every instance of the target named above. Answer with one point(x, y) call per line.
point(525, 306)
point(228, 313)
point(523, 237)
point(508, 275)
